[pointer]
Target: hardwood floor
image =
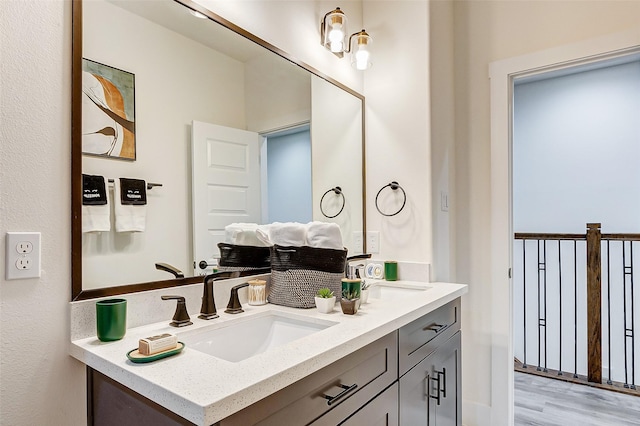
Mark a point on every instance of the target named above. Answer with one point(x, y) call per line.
point(546, 402)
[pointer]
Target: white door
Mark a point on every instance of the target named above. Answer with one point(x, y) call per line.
point(225, 183)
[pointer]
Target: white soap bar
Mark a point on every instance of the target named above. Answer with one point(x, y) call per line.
point(154, 344)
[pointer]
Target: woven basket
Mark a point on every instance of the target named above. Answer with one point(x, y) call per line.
point(297, 273)
point(243, 258)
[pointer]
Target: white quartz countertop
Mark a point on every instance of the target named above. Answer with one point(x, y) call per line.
point(204, 389)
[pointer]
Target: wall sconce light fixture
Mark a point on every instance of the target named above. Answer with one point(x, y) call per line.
point(333, 36)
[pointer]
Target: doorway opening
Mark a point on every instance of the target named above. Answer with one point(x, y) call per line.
point(503, 73)
point(575, 155)
point(286, 175)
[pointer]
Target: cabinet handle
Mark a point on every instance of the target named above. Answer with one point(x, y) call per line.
point(444, 381)
point(345, 390)
point(437, 380)
point(435, 327)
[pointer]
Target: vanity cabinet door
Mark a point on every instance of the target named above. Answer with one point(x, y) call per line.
point(110, 403)
point(431, 392)
point(381, 411)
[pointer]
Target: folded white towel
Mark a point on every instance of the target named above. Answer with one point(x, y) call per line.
point(324, 235)
point(129, 218)
point(283, 234)
point(96, 218)
point(263, 234)
point(243, 234)
point(96, 211)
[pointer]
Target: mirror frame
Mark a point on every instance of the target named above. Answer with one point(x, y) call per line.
point(77, 292)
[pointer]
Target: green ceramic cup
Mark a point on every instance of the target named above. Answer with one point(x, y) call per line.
point(391, 270)
point(111, 319)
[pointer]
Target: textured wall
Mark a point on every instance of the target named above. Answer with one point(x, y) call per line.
point(41, 384)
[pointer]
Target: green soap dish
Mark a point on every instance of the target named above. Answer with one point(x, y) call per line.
point(137, 357)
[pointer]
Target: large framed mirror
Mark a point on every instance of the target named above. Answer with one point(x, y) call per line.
point(189, 72)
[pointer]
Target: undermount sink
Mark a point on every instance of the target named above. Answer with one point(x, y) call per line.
point(390, 291)
point(242, 338)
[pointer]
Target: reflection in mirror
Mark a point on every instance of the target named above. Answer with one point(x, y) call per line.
point(191, 72)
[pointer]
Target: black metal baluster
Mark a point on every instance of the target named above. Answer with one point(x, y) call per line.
point(542, 310)
point(609, 307)
point(633, 338)
point(575, 309)
point(544, 247)
point(524, 293)
point(624, 310)
point(560, 306)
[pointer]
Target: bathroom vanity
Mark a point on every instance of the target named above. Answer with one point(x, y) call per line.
point(397, 361)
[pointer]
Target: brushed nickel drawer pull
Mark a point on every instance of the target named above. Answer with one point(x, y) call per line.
point(346, 389)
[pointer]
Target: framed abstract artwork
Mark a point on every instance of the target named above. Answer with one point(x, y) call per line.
point(108, 111)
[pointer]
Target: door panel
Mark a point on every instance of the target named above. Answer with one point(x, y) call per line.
point(225, 184)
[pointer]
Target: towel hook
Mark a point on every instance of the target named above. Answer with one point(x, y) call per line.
point(394, 186)
point(338, 191)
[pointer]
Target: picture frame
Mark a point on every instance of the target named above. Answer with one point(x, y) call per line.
point(108, 111)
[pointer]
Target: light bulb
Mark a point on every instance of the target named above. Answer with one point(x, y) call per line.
point(361, 59)
point(336, 38)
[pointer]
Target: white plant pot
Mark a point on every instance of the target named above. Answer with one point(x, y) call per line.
point(364, 296)
point(325, 304)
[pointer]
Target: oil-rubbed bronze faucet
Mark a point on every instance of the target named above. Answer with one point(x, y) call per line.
point(181, 317)
point(234, 306)
point(208, 307)
point(170, 269)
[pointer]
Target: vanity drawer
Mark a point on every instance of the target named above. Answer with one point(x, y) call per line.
point(356, 378)
point(421, 337)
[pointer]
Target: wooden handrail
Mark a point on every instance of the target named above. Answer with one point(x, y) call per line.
point(547, 236)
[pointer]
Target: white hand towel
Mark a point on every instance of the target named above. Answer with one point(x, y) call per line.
point(324, 235)
point(262, 233)
point(284, 234)
point(129, 218)
point(243, 234)
point(96, 212)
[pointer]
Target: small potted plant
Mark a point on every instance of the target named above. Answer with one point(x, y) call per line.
point(325, 300)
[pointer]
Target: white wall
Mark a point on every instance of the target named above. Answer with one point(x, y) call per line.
point(337, 158)
point(398, 127)
point(442, 73)
point(40, 382)
point(277, 94)
point(487, 31)
point(576, 152)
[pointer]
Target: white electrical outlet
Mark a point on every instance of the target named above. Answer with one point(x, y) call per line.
point(22, 255)
point(357, 242)
point(373, 242)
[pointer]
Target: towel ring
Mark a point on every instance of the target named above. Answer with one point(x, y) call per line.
point(338, 191)
point(394, 186)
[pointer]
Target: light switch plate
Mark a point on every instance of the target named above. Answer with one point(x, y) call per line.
point(373, 242)
point(22, 257)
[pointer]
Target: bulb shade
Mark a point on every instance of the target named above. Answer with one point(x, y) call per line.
point(334, 30)
point(361, 50)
